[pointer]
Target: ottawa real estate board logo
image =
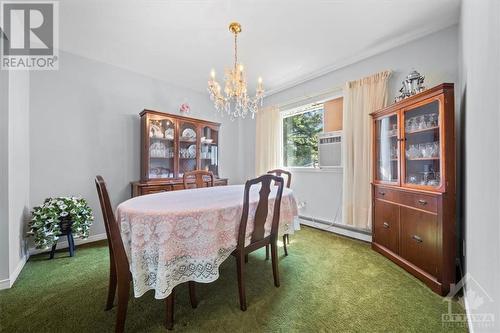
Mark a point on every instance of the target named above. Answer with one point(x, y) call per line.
point(29, 35)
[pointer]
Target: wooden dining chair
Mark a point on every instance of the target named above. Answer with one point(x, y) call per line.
point(119, 270)
point(258, 238)
point(199, 176)
point(286, 237)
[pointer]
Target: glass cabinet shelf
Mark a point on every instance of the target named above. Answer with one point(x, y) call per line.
point(173, 145)
point(408, 145)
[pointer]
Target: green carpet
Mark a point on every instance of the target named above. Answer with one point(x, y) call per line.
point(328, 283)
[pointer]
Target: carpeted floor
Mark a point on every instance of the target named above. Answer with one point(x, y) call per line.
point(328, 284)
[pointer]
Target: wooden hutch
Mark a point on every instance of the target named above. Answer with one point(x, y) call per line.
point(414, 192)
point(172, 145)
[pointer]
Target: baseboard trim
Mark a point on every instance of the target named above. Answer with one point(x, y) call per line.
point(4, 284)
point(337, 228)
point(64, 244)
point(470, 327)
point(13, 277)
point(8, 283)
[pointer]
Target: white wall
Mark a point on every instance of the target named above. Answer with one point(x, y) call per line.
point(19, 167)
point(480, 89)
point(14, 173)
point(319, 193)
point(4, 178)
point(434, 56)
point(85, 122)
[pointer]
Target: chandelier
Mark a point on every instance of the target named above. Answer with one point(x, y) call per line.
point(235, 100)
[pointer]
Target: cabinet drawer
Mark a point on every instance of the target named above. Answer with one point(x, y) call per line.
point(420, 201)
point(419, 239)
point(220, 182)
point(386, 225)
point(155, 189)
point(385, 193)
point(177, 187)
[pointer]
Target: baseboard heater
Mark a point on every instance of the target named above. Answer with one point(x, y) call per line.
point(337, 225)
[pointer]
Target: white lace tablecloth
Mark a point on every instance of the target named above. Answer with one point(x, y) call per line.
point(179, 236)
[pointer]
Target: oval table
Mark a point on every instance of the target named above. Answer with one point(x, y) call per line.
point(179, 236)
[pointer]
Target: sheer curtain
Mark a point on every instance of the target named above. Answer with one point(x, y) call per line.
point(361, 97)
point(267, 140)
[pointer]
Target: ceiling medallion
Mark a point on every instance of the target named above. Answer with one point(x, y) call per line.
point(235, 100)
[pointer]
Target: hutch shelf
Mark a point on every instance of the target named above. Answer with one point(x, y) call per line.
point(414, 195)
point(172, 145)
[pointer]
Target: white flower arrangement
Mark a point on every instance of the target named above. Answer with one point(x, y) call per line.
point(46, 219)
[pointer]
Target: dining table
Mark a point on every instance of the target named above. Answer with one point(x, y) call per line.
point(179, 236)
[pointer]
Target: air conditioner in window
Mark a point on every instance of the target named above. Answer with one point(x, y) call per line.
point(330, 149)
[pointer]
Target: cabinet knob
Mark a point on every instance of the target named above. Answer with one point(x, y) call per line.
point(418, 239)
point(381, 193)
point(386, 225)
point(422, 202)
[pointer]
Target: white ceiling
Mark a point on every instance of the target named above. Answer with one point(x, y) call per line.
point(285, 42)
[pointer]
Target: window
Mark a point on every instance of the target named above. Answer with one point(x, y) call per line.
point(300, 136)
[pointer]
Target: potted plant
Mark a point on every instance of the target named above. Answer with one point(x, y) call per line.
point(60, 216)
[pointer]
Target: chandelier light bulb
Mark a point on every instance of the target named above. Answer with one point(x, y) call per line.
point(212, 73)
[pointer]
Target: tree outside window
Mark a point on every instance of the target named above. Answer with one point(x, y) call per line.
point(300, 138)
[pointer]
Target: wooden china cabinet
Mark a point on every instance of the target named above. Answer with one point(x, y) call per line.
point(414, 194)
point(172, 145)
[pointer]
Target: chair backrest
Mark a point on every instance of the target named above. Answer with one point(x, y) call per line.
point(279, 172)
point(199, 176)
point(262, 208)
point(116, 249)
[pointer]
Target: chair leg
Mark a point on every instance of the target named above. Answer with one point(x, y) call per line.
point(111, 287)
point(169, 302)
point(240, 268)
point(123, 291)
point(267, 252)
point(284, 245)
point(192, 294)
point(274, 259)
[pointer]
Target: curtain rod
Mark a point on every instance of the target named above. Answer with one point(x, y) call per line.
point(292, 103)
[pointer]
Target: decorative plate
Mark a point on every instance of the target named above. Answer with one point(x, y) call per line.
point(189, 133)
point(192, 151)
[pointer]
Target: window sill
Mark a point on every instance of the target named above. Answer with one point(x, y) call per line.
point(334, 169)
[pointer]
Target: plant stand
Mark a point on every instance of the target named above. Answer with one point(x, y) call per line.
point(65, 230)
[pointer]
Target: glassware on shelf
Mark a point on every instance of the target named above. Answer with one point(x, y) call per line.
point(426, 149)
point(189, 152)
point(435, 149)
point(412, 179)
point(413, 152)
point(421, 122)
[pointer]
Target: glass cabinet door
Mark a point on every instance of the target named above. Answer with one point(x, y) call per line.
point(422, 146)
point(188, 135)
point(387, 149)
point(209, 155)
point(161, 148)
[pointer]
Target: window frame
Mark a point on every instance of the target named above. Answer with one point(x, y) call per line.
point(298, 108)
